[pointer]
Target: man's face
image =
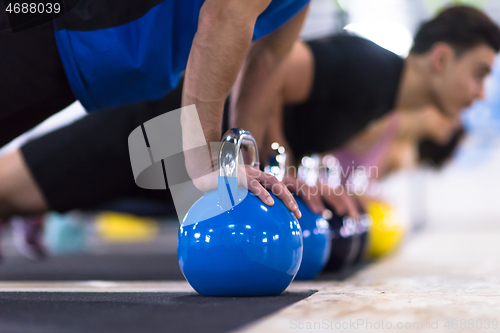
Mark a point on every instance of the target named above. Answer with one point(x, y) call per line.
point(459, 81)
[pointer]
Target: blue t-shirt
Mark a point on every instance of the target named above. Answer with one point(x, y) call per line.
point(135, 56)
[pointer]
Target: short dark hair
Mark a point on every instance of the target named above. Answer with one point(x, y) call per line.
point(436, 155)
point(462, 27)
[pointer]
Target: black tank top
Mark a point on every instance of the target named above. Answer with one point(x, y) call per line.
point(355, 82)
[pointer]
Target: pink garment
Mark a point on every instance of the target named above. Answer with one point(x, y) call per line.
point(372, 160)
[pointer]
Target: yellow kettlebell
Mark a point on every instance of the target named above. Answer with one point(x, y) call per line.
point(386, 232)
point(120, 227)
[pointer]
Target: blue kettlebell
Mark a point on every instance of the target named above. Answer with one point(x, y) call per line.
point(315, 229)
point(230, 243)
point(316, 239)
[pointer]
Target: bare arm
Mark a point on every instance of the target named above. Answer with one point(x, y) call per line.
point(296, 87)
point(224, 34)
point(219, 48)
point(262, 79)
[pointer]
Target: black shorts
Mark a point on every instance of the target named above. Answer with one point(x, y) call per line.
point(86, 164)
point(33, 84)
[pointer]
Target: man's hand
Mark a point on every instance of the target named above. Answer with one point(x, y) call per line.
point(225, 30)
point(258, 180)
point(342, 203)
point(202, 169)
point(314, 196)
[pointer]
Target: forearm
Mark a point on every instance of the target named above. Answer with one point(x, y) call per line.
point(224, 34)
point(219, 48)
point(256, 94)
point(262, 78)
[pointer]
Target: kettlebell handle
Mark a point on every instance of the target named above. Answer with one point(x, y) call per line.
point(276, 165)
point(230, 147)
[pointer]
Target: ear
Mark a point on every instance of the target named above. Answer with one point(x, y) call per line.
point(441, 55)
